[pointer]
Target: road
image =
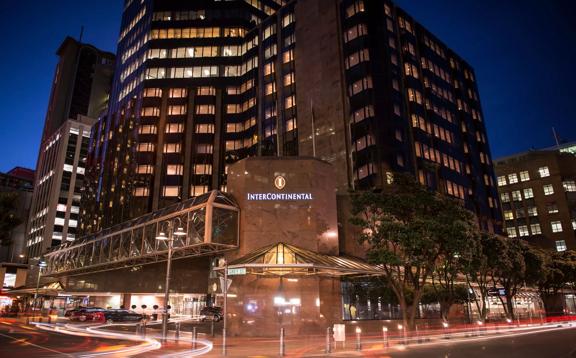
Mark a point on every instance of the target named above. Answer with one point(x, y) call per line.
point(549, 344)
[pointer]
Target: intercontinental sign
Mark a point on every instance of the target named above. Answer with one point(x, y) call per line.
point(279, 196)
point(279, 183)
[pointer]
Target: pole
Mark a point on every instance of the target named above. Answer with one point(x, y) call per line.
point(225, 290)
point(194, 337)
point(37, 288)
point(358, 339)
point(167, 285)
point(385, 336)
point(328, 346)
point(282, 345)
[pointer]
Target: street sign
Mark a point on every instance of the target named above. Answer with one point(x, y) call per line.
point(237, 271)
point(495, 292)
point(339, 333)
point(222, 284)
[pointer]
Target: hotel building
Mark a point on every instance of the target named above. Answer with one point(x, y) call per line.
point(243, 124)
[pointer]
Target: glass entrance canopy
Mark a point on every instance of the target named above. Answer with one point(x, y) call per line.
point(210, 223)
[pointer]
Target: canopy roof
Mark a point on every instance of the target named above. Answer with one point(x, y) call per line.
point(286, 259)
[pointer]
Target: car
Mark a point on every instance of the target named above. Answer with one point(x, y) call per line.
point(211, 313)
point(87, 314)
point(70, 312)
point(111, 316)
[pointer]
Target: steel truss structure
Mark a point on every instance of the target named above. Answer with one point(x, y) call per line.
point(211, 223)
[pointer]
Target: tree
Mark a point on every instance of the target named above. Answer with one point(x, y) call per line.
point(8, 217)
point(406, 227)
point(478, 269)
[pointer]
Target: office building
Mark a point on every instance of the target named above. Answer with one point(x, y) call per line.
point(538, 195)
point(80, 92)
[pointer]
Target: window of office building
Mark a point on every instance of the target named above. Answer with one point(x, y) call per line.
point(516, 195)
point(513, 178)
point(502, 180)
point(573, 224)
point(147, 129)
point(206, 91)
point(561, 245)
point(532, 211)
point(548, 189)
point(174, 169)
point(523, 230)
point(356, 7)
point(205, 109)
point(569, 185)
point(177, 110)
point(357, 57)
point(511, 231)
point(141, 191)
point(196, 190)
point(202, 169)
point(544, 172)
point(146, 147)
point(360, 86)
point(178, 92)
point(174, 128)
point(552, 208)
point(205, 128)
point(172, 147)
point(528, 193)
point(508, 215)
point(505, 197)
point(145, 169)
point(355, 31)
point(556, 226)
point(524, 176)
point(535, 229)
point(171, 191)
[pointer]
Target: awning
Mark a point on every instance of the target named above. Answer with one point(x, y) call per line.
point(284, 259)
point(49, 289)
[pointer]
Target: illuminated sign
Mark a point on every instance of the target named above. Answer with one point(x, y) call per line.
point(237, 271)
point(279, 182)
point(279, 196)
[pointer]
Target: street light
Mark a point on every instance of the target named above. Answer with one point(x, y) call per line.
point(170, 241)
point(41, 265)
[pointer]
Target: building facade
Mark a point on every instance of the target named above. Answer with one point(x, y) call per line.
point(80, 92)
point(538, 195)
point(199, 86)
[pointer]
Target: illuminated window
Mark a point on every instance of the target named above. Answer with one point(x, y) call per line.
point(561, 245)
point(357, 57)
point(528, 193)
point(524, 176)
point(505, 197)
point(516, 195)
point(508, 215)
point(152, 92)
point(202, 169)
point(360, 85)
point(552, 208)
point(513, 178)
point(206, 91)
point(569, 185)
point(171, 191)
point(145, 169)
point(150, 111)
point(141, 191)
point(544, 172)
point(147, 129)
point(523, 230)
point(535, 229)
point(196, 190)
point(548, 189)
point(174, 169)
point(290, 124)
point(289, 79)
point(205, 109)
point(146, 147)
point(532, 211)
point(511, 231)
point(172, 147)
point(356, 7)
point(363, 113)
point(178, 92)
point(355, 31)
point(289, 102)
point(204, 148)
point(556, 226)
point(573, 224)
point(177, 110)
point(205, 128)
point(174, 128)
point(288, 56)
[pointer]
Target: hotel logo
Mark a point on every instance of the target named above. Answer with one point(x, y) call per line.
point(279, 182)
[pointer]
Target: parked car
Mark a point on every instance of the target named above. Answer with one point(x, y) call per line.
point(88, 314)
point(122, 316)
point(211, 314)
point(70, 312)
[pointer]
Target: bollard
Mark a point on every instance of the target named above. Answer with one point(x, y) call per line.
point(138, 328)
point(445, 325)
point(358, 339)
point(212, 328)
point(385, 336)
point(282, 344)
point(328, 345)
point(177, 333)
point(143, 329)
point(194, 337)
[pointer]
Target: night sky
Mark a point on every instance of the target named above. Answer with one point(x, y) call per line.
point(522, 51)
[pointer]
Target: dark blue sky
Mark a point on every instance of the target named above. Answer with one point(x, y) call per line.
point(523, 53)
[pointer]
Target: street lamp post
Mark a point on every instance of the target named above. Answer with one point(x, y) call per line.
point(170, 242)
point(41, 265)
point(225, 306)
